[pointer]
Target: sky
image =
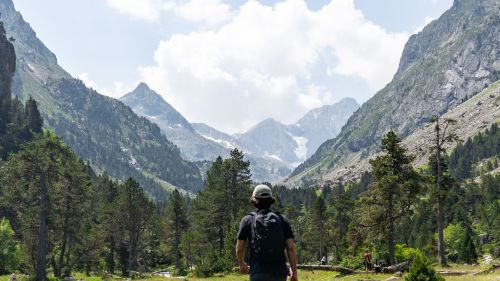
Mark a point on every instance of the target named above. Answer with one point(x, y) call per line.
point(232, 64)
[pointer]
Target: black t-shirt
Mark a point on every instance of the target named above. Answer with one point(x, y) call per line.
point(245, 233)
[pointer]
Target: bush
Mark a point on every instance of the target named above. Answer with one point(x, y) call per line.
point(421, 270)
point(403, 252)
point(9, 249)
point(352, 263)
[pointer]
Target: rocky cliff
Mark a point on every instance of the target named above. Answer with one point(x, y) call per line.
point(450, 60)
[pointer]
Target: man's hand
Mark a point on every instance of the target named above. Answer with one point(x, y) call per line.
point(293, 275)
point(244, 268)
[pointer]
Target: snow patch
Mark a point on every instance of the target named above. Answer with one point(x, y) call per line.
point(301, 149)
point(31, 67)
point(273, 156)
point(222, 142)
point(151, 117)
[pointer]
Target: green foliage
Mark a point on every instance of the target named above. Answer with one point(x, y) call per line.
point(454, 235)
point(352, 263)
point(394, 189)
point(460, 245)
point(9, 249)
point(482, 146)
point(467, 251)
point(404, 253)
point(422, 270)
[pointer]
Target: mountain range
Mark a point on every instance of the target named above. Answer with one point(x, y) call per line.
point(272, 147)
point(101, 130)
point(452, 59)
point(442, 69)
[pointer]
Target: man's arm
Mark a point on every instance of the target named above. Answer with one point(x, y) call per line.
point(292, 258)
point(240, 253)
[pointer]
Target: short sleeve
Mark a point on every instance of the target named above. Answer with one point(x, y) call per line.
point(244, 229)
point(287, 229)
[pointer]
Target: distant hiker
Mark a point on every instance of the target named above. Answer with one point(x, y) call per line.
point(366, 260)
point(268, 235)
point(377, 266)
point(323, 260)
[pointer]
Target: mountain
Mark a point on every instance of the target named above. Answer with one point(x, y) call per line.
point(324, 123)
point(101, 130)
point(272, 148)
point(271, 138)
point(147, 103)
point(193, 145)
point(450, 60)
point(293, 143)
point(473, 116)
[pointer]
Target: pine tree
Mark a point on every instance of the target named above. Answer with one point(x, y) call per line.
point(467, 252)
point(176, 224)
point(33, 119)
point(135, 214)
point(394, 189)
point(443, 181)
point(421, 270)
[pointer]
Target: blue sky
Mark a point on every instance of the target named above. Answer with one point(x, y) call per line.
point(231, 64)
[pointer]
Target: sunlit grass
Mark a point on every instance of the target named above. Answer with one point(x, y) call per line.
point(312, 276)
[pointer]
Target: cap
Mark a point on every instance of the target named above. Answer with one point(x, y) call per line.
point(262, 191)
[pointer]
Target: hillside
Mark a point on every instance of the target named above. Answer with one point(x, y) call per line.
point(450, 60)
point(473, 116)
point(101, 130)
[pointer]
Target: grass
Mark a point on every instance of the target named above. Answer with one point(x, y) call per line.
point(313, 276)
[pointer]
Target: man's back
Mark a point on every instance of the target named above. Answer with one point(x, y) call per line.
point(267, 235)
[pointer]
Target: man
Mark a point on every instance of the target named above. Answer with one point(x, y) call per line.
point(268, 235)
point(367, 260)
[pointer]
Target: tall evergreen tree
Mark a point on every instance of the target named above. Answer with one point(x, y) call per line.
point(440, 173)
point(176, 224)
point(394, 189)
point(135, 214)
point(34, 120)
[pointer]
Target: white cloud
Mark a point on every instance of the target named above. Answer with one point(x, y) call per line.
point(117, 91)
point(148, 10)
point(260, 62)
point(210, 12)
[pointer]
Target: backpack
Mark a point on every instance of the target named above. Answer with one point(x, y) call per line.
point(268, 240)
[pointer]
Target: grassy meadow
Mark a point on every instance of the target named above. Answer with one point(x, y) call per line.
point(312, 276)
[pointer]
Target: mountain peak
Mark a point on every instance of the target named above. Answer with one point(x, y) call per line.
point(146, 102)
point(142, 86)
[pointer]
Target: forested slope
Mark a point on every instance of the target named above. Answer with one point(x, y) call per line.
point(101, 130)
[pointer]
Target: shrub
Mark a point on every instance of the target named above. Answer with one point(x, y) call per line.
point(352, 262)
point(9, 249)
point(403, 252)
point(421, 270)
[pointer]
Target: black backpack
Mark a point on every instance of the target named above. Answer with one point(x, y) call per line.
point(268, 240)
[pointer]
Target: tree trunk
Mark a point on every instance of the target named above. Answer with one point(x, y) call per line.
point(390, 234)
point(440, 212)
point(132, 256)
point(41, 273)
point(124, 259)
point(440, 226)
point(111, 259)
point(177, 242)
point(61, 256)
point(221, 240)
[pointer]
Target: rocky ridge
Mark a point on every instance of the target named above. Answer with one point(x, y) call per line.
point(473, 116)
point(450, 60)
